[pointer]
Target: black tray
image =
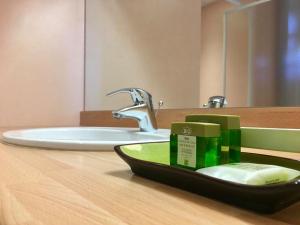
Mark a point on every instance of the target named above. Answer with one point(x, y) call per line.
point(151, 160)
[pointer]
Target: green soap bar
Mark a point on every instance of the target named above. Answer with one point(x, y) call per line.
point(226, 121)
point(196, 129)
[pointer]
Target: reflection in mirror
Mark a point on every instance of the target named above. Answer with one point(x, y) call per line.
point(153, 45)
point(174, 49)
point(262, 54)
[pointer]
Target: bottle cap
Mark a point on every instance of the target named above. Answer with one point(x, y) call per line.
point(196, 129)
point(226, 121)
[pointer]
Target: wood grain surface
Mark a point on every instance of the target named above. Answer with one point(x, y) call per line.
point(57, 187)
point(279, 117)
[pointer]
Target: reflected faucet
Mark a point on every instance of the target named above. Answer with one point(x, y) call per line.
point(142, 109)
point(216, 102)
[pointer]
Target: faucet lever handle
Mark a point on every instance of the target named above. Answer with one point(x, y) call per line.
point(138, 95)
point(160, 104)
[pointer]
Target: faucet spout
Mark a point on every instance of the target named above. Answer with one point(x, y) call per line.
point(142, 110)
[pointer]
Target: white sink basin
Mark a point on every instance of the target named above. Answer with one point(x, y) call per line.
point(82, 138)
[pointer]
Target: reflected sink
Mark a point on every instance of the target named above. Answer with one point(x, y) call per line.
point(82, 138)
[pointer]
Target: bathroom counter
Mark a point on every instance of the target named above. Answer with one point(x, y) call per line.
point(85, 188)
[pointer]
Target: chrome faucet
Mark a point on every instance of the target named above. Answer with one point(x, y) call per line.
point(142, 109)
point(216, 102)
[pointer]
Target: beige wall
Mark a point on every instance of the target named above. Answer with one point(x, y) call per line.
point(252, 81)
point(237, 59)
point(211, 72)
point(265, 55)
point(41, 62)
point(153, 44)
point(241, 90)
point(212, 50)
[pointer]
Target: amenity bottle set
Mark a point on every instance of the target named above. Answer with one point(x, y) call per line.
point(205, 140)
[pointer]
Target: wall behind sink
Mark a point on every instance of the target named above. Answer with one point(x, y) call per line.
point(152, 44)
point(41, 62)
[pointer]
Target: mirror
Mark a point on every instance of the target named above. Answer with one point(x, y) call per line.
point(262, 54)
point(175, 50)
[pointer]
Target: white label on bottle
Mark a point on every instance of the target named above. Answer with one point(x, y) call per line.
point(186, 151)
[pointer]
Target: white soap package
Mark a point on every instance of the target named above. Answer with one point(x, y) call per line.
point(251, 173)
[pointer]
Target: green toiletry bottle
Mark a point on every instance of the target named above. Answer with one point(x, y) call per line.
point(195, 145)
point(230, 134)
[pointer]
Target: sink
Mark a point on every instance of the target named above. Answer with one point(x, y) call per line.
point(82, 138)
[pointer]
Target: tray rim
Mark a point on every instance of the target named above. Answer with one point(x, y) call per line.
point(187, 172)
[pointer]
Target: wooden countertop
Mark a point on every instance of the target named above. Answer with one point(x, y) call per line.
point(85, 188)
